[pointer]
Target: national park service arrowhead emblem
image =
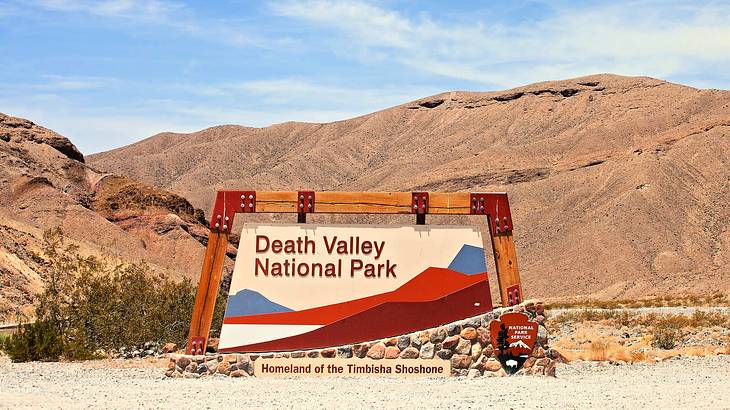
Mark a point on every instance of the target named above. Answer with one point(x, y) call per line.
point(513, 336)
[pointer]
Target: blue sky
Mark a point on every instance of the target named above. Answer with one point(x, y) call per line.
point(110, 72)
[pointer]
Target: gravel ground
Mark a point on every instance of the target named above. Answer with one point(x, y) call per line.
point(689, 382)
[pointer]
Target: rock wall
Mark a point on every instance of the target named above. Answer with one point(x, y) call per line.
point(466, 344)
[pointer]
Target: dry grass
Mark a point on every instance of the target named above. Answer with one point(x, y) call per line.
point(626, 336)
point(716, 299)
point(637, 356)
point(604, 349)
point(698, 319)
point(598, 350)
point(622, 318)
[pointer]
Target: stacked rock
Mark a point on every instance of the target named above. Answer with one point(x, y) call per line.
point(466, 344)
point(233, 365)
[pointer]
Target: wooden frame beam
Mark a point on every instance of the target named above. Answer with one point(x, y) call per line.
point(230, 202)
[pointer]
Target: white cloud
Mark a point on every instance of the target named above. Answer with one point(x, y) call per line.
point(642, 38)
point(294, 91)
point(50, 83)
point(194, 107)
point(60, 82)
point(95, 129)
point(169, 14)
point(140, 9)
point(207, 115)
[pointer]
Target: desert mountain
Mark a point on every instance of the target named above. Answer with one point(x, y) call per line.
point(44, 183)
point(620, 186)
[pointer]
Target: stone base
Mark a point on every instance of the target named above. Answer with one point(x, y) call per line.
point(466, 344)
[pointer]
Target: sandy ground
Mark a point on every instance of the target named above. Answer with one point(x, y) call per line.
point(689, 382)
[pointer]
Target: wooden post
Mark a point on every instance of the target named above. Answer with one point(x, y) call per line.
point(208, 286)
point(505, 263)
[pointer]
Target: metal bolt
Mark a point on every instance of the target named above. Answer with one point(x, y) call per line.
point(250, 205)
point(474, 207)
point(423, 206)
point(301, 196)
point(217, 225)
point(309, 197)
point(309, 206)
point(481, 199)
point(424, 197)
point(227, 219)
point(415, 206)
point(243, 196)
point(250, 196)
point(481, 208)
point(218, 217)
point(301, 205)
point(225, 227)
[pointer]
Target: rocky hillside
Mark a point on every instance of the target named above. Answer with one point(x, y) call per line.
point(620, 185)
point(44, 183)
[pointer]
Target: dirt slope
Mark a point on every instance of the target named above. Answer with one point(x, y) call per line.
point(44, 184)
point(620, 185)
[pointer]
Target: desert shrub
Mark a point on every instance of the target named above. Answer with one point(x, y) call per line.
point(33, 341)
point(665, 335)
point(89, 305)
point(623, 318)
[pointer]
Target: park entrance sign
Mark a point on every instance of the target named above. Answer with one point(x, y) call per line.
point(303, 286)
point(300, 286)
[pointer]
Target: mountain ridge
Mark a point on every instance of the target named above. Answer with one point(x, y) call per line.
point(618, 184)
point(45, 184)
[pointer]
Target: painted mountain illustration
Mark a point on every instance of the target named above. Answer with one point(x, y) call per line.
point(432, 298)
point(250, 302)
point(469, 260)
point(519, 344)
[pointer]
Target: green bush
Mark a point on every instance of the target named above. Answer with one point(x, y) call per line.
point(33, 341)
point(89, 306)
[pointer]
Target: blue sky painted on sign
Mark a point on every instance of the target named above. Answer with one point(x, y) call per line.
point(106, 73)
point(469, 260)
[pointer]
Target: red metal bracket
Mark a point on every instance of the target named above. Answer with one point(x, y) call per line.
point(305, 202)
point(496, 206)
point(513, 295)
point(248, 201)
point(419, 203)
point(227, 203)
point(197, 345)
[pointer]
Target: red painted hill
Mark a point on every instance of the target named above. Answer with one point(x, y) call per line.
point(385, 320)
point(429, 285)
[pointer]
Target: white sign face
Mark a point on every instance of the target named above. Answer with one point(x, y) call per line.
point(305, 286)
